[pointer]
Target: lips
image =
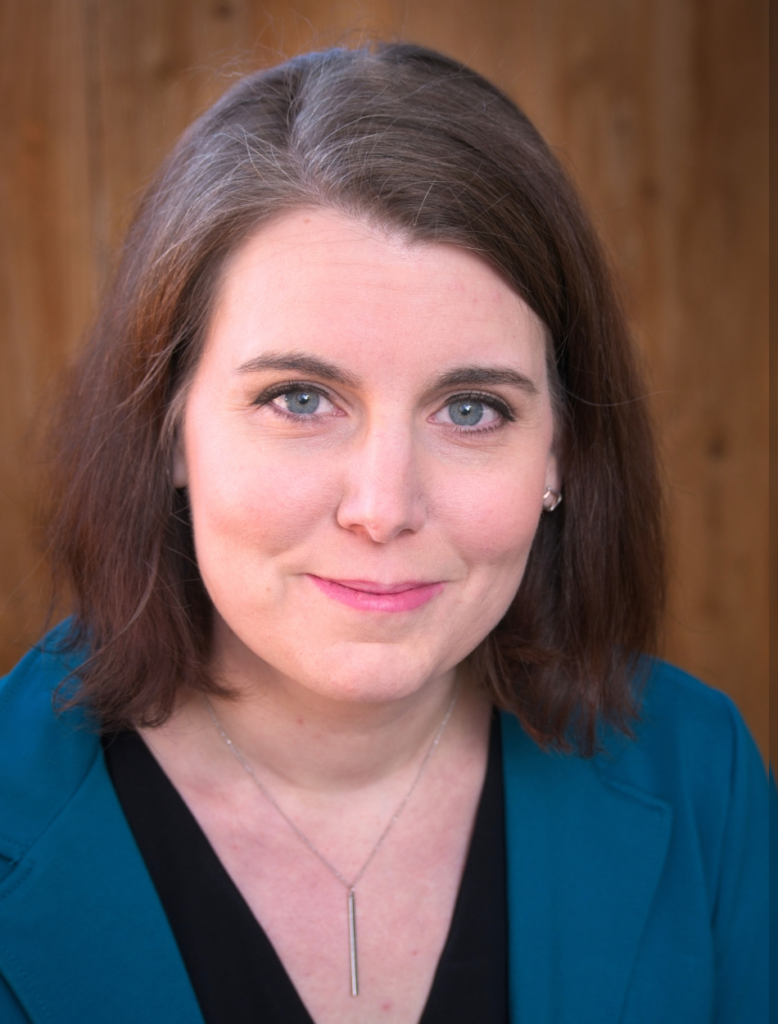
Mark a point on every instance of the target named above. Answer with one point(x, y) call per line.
point(368, 595)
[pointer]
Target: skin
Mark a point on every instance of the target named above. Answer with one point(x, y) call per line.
point(337, 705)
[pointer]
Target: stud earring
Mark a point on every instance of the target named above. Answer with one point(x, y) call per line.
point(551, 500)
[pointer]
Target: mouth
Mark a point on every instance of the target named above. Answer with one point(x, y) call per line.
point(369, 596)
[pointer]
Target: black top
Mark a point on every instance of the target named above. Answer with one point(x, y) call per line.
point(235, 971)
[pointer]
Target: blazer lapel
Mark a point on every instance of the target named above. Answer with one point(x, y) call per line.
point(585, 854)
point(83, 936)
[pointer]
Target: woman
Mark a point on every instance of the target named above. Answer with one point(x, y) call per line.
point(355, 497)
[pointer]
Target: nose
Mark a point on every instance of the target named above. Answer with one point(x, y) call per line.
point(383, 496)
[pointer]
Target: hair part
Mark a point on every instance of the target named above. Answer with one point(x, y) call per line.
point(415, 143)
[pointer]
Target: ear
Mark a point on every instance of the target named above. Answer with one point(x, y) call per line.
point(552, 494)
point(180, 475)
point(553, 473)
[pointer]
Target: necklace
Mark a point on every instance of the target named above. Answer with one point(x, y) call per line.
point(349, 885)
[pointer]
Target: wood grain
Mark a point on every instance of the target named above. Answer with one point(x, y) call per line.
point(657, 107)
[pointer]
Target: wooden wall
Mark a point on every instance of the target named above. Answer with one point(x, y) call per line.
point(657, 107)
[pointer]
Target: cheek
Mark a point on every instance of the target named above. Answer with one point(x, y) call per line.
point(492, 527)
point(494, 521)
point(248, 502)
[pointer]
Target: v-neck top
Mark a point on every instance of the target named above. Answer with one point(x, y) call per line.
point(235, 971)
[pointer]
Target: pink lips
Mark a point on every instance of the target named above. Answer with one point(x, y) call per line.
point(375, 597)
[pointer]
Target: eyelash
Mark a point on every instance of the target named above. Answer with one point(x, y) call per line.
point(492, 401)
point(287, 388)
point(500, 406)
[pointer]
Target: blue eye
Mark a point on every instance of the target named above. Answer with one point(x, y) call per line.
point(302, 402)
point(466, 412)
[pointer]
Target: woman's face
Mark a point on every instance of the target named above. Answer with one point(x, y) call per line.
point(366, 443)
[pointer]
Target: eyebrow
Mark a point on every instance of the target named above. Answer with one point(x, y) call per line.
point(458, 376)
point(463, 376)
point(299, 362)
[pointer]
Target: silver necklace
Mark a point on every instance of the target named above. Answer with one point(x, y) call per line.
point(349, 885)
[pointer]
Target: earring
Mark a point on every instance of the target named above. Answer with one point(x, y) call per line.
point(551, 500)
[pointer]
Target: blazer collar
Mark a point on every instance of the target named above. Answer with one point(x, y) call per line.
point(585, 854)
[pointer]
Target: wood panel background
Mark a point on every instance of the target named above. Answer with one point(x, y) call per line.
point(657, 107)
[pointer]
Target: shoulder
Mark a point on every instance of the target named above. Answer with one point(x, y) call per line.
point(690, 759)
point(689, 738)
point(44, 755)
point(692, 751)
point(674, 703)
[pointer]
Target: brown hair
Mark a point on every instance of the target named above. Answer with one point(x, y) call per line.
point(418, 143)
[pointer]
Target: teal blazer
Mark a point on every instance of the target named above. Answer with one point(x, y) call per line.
point(637, 880)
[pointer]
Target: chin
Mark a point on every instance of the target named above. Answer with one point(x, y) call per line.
point(351, 669)
point(367, 673)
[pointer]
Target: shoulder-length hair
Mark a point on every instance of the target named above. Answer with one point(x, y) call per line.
point(421, 145)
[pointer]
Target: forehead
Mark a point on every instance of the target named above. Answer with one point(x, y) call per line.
point(317, 279)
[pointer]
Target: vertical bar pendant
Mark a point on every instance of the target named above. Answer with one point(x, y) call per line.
point(352, 940)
